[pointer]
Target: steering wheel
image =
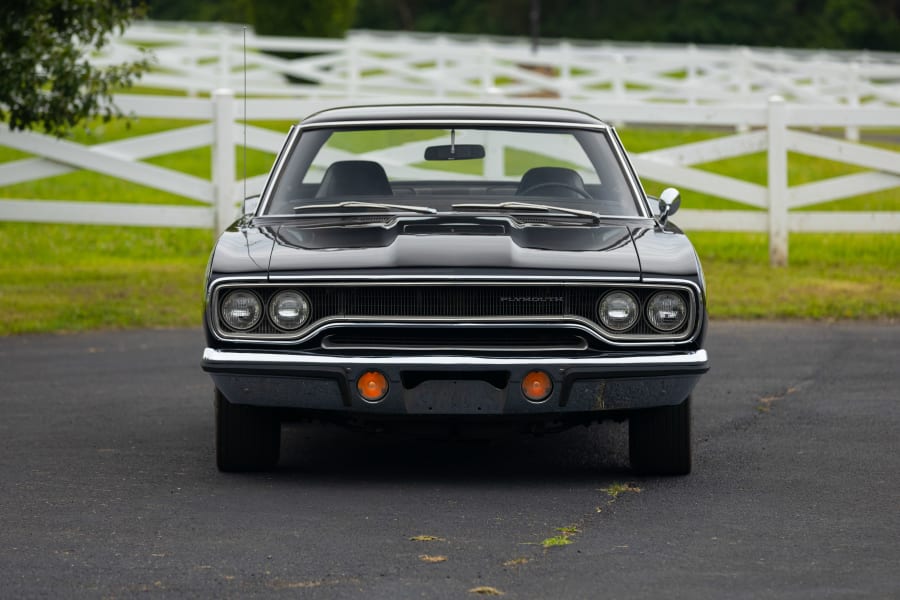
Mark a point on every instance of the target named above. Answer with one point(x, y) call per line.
point(546, 184)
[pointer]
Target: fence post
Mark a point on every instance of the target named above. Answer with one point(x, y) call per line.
point(778, 182)
point(354, 68)
point(853, 88)
point(743, 71)
point(440, 67)
point(224, 60)
point(565, 71)
point(223, 159)
point(487, 68)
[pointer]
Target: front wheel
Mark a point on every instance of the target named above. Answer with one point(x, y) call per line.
point(659, 440)
point(248, 438)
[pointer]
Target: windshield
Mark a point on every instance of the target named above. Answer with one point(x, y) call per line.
point(450, 169)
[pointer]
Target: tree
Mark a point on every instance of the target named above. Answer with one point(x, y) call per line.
point(872, 24)
point(308, 18)
point(46, 79)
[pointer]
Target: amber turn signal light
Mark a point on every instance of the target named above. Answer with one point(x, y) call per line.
point(372, 386)
point(537, 386)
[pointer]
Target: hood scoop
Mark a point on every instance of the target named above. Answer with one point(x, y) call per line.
point(597, 238)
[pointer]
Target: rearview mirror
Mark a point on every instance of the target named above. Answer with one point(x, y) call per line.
point(454, 152)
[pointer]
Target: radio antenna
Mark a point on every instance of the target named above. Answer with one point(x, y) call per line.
point(245, 113)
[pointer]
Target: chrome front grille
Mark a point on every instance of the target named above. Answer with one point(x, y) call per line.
point(442, 302)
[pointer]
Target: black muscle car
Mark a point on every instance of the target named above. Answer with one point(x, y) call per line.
point(458, 265)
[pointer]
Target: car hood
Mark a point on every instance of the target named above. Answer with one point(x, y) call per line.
point(622, 249)
point(435, 244)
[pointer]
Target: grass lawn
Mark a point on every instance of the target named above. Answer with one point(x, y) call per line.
point(69, 278)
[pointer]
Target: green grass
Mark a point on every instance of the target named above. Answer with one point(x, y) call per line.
point(801, 169)
point(831, 276)
point(70, 278)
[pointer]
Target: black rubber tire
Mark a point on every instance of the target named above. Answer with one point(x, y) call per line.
point(248, 438)
point(659, 440)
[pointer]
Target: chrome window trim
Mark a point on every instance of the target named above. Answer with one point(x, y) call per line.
point(594, 328)
point(447, 122)
point(618, 149)
point(275, 174)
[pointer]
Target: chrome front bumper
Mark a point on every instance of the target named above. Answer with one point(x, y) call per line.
point(455, 385)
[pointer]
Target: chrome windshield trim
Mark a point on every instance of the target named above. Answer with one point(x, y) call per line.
point(275, 172)
point(211, 357)
point(609, 131)
point(446, 123)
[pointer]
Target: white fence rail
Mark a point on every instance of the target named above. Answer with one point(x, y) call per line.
point(622, 84)
point(774, 133)
point(197, 57)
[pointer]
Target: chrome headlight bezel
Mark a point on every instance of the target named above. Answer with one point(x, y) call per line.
point(618, 300)
point(677, 309)
point(253, 304)
point(281, 321)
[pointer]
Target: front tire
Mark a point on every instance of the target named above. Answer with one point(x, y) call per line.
point(248, 438)
point(659, 440)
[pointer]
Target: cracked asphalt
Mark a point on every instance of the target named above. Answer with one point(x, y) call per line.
point(108, 486)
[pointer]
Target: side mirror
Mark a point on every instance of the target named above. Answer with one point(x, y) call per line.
point(669, 203)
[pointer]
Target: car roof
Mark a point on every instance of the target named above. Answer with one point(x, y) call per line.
point(439, 113)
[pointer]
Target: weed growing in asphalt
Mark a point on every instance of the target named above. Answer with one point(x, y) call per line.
point(564, 539)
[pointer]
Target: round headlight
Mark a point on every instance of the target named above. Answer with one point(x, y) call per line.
point(666, 311)
point(289, 310)
point(241, 310)
point(618, 311)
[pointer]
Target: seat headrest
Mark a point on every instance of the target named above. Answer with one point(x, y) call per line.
point(548, 175)
point(354, 178)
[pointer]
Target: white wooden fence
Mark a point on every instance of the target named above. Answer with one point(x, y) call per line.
point(201, 58)
point(559, 76)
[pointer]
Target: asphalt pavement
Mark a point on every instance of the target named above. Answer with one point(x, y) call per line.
point(108, 486)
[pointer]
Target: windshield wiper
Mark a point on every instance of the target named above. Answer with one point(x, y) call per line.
point(427, 210)
point(530, 206)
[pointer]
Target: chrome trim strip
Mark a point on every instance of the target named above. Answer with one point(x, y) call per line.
point(442, 280)
point(282, 340)
point(448, 122)
point(604, 128)
point(630, 174)
point(328, 344)
point(593, 328)
point(697, 358)
point(275, 173)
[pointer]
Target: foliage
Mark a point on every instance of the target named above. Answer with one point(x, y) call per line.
point(229, 11)
point(872, 24)
point(310, 18)
point(46, 79)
